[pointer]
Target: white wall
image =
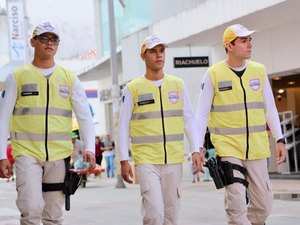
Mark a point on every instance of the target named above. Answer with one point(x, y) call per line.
point(278, 48)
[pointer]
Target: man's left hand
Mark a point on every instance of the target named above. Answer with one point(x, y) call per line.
point(89, 157)
point(281, 153)
point(198, 162)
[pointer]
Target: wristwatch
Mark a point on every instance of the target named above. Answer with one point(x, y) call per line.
point(281, 140)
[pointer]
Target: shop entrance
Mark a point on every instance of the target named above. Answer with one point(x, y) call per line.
point(287, 94)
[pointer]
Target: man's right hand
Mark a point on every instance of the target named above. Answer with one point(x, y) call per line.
point(5, 169)
point(126, 171)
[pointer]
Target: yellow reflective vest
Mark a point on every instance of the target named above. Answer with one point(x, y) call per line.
point(41, 123)
point(156, 125)
point(237, 119)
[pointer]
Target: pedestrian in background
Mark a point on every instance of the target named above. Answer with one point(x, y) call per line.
point(109, 155)
point(235, 102)
point(155, 112)
point(37, 103)
point(98, 150)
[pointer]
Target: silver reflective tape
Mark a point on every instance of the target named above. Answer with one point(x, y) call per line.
point(225, 84)
point(39, 137)
point(42, 111)
point(29, 87)
point(255, 105)
point(152, 115)
point(235, 107)
point(234, 131)
point(145, 97)
point(155, 139)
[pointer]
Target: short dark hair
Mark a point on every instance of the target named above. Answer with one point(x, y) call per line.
point(232, 42)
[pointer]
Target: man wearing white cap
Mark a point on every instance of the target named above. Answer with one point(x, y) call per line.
point(155, 113)
point(36, 108)
point(236, 102)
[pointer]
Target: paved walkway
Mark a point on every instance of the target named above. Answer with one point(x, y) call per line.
point(101, 203)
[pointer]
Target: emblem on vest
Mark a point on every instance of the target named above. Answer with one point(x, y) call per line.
point(225, 85)
point(29, 90)
point(173, 96)
point(64, 90)
point(254, 84)
point(145, 99)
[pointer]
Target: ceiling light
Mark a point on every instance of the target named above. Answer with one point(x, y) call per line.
point(280, 91)
point(277, 78)
point(291, 82)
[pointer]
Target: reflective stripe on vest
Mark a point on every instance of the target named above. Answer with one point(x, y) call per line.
point(41, 111)
point(238, 128)
point(151, 115)
point(234, 107)
point(153, 139)
point(156, 126)
point(39, 137)
point(234, 131)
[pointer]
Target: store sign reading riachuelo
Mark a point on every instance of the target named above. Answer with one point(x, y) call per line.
point(193, 61)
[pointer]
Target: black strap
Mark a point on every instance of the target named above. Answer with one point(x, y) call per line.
point(242, 181)
point(239, 168)
point(52, 187)
point(243, 171)
point(67, 163)
point(56, 186)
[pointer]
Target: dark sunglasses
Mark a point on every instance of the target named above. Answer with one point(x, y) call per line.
point(45, 39)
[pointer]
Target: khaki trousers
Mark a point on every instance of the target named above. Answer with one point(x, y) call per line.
point(160, 187)
point(34, 205)
point(258, 192)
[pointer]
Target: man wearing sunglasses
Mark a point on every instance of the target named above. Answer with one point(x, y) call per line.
point(36, 108)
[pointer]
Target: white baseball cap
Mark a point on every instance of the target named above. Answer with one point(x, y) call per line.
point(234, 31)
point(150, 42)
point(46, 27)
